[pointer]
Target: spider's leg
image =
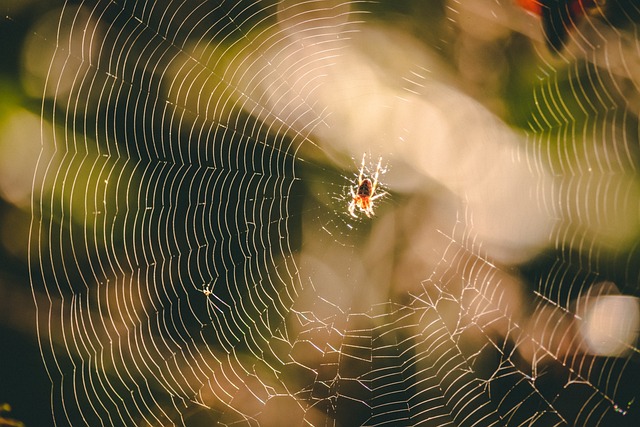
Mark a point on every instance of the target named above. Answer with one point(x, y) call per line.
point(384, 193)
point(352, 208)
point(354, 196)
point(375, 176)
point(361, 170)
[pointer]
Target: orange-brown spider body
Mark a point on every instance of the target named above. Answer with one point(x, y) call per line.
point(363, 195)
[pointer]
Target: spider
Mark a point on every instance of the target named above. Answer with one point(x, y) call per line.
point(364, 193)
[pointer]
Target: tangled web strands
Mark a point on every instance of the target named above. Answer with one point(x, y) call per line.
point(187, 220)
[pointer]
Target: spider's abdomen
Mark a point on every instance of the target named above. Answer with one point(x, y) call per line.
point(364, 190)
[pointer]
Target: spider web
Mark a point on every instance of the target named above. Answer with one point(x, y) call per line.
point(193, 260)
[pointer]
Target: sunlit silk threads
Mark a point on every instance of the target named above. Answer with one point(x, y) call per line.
point(558, 17)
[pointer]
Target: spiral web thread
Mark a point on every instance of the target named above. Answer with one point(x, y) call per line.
point(165, 234)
